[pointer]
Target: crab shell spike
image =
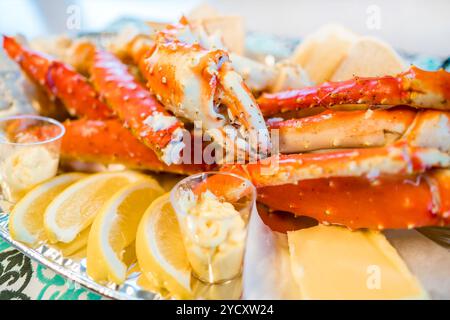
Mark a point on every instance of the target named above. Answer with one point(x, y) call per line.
point(108, 142)
point(396, 159)
point(357, 202)
point(59, 80)
point(342, 129)
point(415, 87)
point(137, 108)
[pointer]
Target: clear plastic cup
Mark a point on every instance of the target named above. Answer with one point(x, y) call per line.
point(213, 211)
point(29, 153)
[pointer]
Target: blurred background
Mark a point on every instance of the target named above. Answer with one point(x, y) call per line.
point(414, 26)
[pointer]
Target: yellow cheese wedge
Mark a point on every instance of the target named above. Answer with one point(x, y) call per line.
point(330, 262)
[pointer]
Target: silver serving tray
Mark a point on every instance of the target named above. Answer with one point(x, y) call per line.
point(15, 97)
point(75, 270)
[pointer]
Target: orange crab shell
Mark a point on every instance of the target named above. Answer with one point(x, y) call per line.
point(108, 142)
point(132, 102)
point(415, 87)
point(59, 80)
point(76, 93)
point(34, 64)
point(394, 202)
point(342, 129)
point(391, 187)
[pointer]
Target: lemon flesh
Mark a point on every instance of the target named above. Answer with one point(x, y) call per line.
point(75, 208)
point(75, 246)
point(26, 222)
point(160, 250)
point(114, 229)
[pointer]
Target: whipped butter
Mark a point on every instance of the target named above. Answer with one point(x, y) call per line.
point(214, 235)
point(21, 168)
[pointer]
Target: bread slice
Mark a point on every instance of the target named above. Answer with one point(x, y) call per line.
point(369, 57)
point(322, 52)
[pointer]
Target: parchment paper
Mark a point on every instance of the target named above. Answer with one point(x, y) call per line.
point(267, 271)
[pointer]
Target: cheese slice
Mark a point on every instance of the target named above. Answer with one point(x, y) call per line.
point(331, 262)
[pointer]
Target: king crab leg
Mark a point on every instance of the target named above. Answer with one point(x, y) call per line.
point(396, 159)
point(137, 108)
point(332, 129)
point(342, 129)
point(391, 187)
point(394, 202)
point(108, 142)
point(415, 87)
point(59, 80)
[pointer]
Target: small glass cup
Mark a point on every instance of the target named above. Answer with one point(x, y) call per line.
point(29, 153)
point(213, 211)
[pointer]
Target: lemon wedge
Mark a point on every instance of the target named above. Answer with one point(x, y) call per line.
point(75, 246)
point(75, 208)
point(160, 250)
point(114, 229)
point(26, 222)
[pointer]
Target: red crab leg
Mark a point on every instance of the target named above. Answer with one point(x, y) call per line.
point(395, 202)
point(59, 80)
point(137, 108)
point(342, 129)
point(415, 87)
point(397, 159)
point(108, 142)
point(76, 93)
point(34, 64)
point(362, 188)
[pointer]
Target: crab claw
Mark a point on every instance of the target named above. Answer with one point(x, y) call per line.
point(59, 80)
point(199, 84)
point(415, 87)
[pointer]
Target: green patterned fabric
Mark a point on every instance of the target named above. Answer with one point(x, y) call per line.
point(23, 279)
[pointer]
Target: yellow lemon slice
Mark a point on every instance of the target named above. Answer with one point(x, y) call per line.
point(78, 245)
point(160, 250)
point(75, 208)
point(114, 229)
point(26, 222)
